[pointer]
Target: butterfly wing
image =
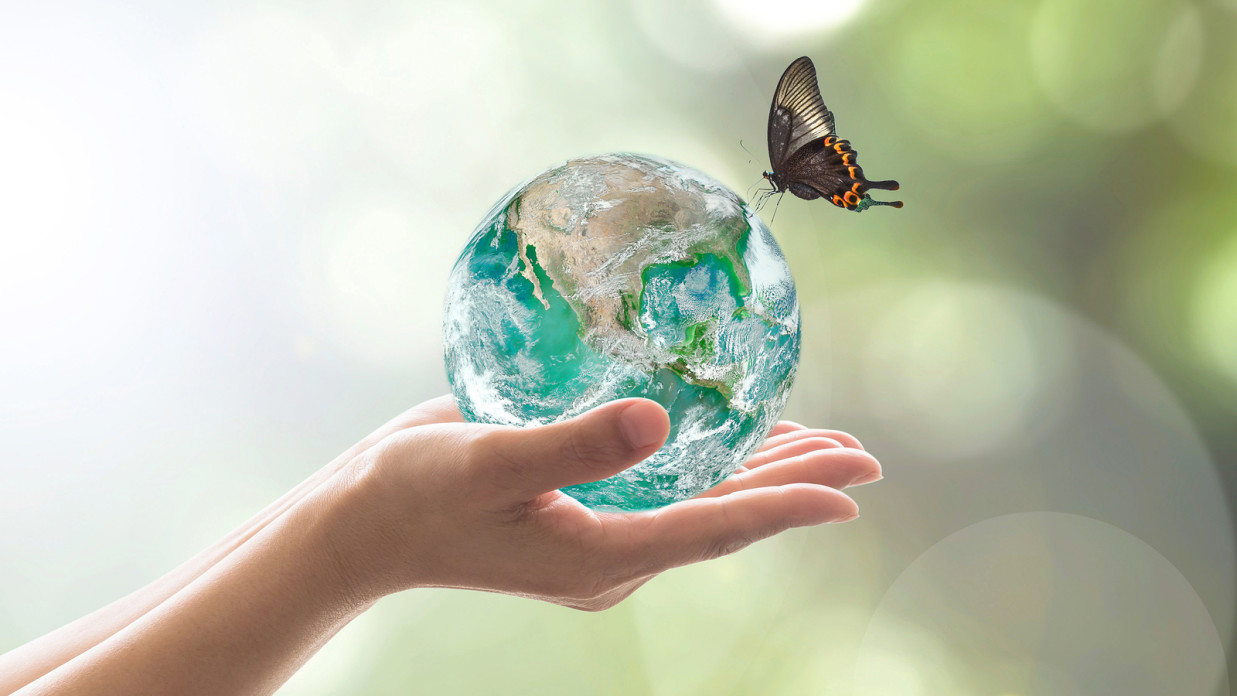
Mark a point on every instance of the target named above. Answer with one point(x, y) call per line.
point(826, 168)
point(798, 114)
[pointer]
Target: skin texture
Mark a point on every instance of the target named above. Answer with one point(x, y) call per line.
point(430, 501)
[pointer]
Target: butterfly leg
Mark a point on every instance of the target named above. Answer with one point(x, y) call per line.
point(775, 207)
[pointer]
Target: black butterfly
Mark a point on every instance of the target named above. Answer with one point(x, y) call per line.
point(807, 157)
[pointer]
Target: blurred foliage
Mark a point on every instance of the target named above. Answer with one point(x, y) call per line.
point(242, 219)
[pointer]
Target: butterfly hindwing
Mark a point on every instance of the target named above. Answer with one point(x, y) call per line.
point(826, 167)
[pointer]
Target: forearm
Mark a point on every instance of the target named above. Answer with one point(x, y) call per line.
point(38, 657)
point(241, 627)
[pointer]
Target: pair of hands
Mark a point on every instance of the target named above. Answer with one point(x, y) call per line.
point(436, 502)
point(430, 501)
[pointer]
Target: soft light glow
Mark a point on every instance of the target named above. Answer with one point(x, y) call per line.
point(79, 141)
point(964, 367)
point(438, 86)
point(1116, 65)
point(781, 18)
point(688, 35)
point(375, 279)
point(266, 85)
point(889, 674)
point(986, 110)
point(49, 163)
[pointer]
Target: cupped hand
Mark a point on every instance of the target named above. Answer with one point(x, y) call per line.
point(431, 501)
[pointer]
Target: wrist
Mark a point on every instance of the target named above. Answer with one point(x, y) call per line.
point(305, 541)
point(363, 532)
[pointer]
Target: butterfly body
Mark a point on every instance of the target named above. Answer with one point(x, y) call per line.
point(807, 157)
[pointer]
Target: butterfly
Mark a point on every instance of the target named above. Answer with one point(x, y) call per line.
point(807, 157)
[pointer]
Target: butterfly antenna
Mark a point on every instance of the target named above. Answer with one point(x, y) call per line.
point(745, 149)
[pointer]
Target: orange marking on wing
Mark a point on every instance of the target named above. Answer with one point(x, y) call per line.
point(855, 188)
point(837, 200)
point(848, 196)
point(852, 172)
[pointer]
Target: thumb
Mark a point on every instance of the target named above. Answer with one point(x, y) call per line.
point(590, 447)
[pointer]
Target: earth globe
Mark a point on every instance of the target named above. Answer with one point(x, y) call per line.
point(620, 276)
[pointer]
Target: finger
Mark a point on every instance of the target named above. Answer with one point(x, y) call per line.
point(836, 468)
point(783, 427)
point(793, 448)
point(846, 439)
point(590, 447)
point(441, 409)
point(705, 528)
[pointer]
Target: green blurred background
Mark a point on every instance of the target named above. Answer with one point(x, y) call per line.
point(227, 229)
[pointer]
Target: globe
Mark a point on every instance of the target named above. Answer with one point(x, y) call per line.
point(627, 276)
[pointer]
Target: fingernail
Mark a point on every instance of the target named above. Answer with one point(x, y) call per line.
point(642, 426)
point(846, 519)
point(865, 479)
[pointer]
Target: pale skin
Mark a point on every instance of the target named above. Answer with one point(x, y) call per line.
point(430, 501)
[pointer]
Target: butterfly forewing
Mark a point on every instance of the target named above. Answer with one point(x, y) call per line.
point(798, 114)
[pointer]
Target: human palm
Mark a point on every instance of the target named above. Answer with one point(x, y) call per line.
point(454, 504)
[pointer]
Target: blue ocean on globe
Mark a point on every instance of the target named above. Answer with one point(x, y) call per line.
point(627, 276)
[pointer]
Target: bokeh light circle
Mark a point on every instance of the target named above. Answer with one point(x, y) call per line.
point(966, 93)
point(1083, 427)
point(1041, 604)
point(966, 368)
point(1213, 320)
point(1116, 65)
point(1204, 122)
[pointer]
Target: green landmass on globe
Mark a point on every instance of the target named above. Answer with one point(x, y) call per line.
point(618, 276)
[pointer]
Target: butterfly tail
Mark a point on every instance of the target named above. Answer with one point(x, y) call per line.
point(889, 185)
point(869, 202)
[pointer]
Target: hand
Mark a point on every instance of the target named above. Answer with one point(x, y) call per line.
point(436, 502)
